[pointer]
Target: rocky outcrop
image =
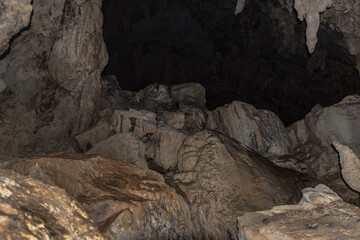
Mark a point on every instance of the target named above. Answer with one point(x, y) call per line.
point(350, 165)
point(259, 130)
point(53, 91)
point(312, 152)
point(321, 214)
point(223, 180)
point(124, 201)
point(30, 209)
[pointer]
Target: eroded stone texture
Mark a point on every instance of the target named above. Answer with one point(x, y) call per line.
point(124, 201)
point(260, 130)
point(321, 214)
point(15, 15)
point(53, 90)
point(30, 209)
point(223, 180)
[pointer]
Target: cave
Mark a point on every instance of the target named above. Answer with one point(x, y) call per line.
point(254, 57)
point(179, 119)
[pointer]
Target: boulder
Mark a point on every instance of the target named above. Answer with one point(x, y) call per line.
point(30, 209)
point(124, 201)
point(312, 152)
point(125, 147)
point(260, 130)
point(189, 93)
point(165, 145)
point(321, 214)
point(223, 180)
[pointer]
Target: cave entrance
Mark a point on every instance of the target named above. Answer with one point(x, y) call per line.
point(245, 57)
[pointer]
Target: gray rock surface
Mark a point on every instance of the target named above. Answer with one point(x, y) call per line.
point(223, 180)
point(124, 201)
point(321, 214)
point(312, 152)
point(260, 130)
point(30, 209)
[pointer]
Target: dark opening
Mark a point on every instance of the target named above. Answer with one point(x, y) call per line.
point(252, 57)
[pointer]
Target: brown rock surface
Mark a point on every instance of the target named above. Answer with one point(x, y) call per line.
point(30, 209)
point(223, 180)
point(52, 77)
point(124, 201)
point(14, 16)
point(321, 214)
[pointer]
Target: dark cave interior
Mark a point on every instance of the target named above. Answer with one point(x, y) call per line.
point(252, 57)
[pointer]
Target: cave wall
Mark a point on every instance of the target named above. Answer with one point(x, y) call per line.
point(52, 75)
point(258, 56)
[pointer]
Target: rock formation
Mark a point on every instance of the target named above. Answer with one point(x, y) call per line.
point(30, 209)
point(52, 92)
point(125, 202)
point(310, 10)
point(321, 214)
point(350, 165)
point(224, 180)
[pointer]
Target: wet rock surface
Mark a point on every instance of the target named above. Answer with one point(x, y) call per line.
point(321, 214)
point(30, 209)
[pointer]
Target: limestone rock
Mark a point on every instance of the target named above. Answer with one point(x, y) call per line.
point(189, 93)
point(321, 214)
point(239, 6)
point(260, 130)
point(140, 123)
point(350, 165)
point(223, 180)
point(56, 86)
point(310, 10)
point(15, 15)
point(125, 147)
point(166, 144)
point(172, 119)
point(124, 201)
point(30, 209)
point(86, 140)
point(312, 137)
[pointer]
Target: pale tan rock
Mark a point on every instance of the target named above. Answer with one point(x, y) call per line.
point(125, 147)
point(310, 10)
point(86, 140)
point(167, 142)
point(260, 130)
point(350, 165)
point(30, 209)
point(223, 180)
point(321, 214)
point(124, 201)
point(140, 123)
